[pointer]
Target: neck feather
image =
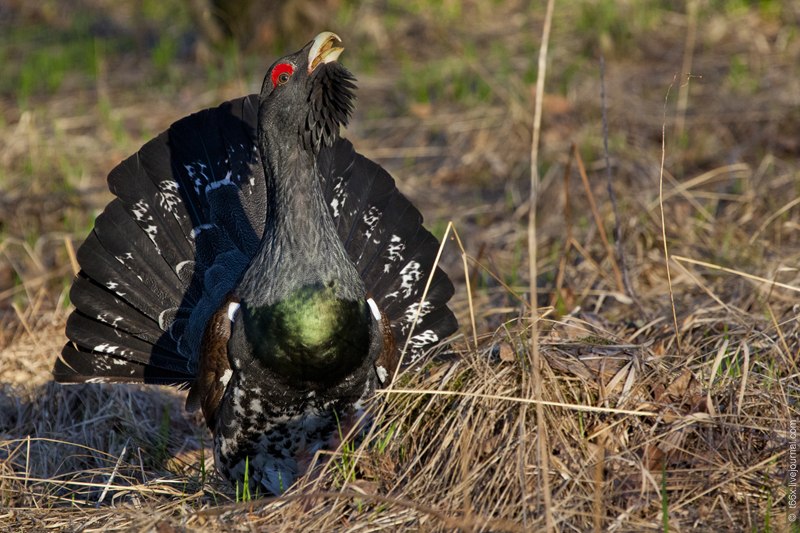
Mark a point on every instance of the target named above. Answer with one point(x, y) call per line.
point(300, 245)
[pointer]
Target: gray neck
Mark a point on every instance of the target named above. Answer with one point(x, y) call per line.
point(300, 245)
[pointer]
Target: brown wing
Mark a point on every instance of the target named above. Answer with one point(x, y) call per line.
point(215, 369)
point(389, 356)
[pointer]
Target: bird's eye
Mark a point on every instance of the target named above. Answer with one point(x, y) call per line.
point(282, 73)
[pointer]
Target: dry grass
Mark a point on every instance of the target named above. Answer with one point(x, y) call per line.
point(643, 432)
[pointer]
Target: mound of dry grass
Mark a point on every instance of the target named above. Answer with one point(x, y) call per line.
point(639, 436)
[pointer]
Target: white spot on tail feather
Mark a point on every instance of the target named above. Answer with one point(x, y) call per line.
point(197, 173)
point(114, 322)
point(167, 200)
point(191, 172)
point(394, 252)
point(411, 310)
point(382, 373)
point(226, 377)
point(106, 348)
point(423, 339)
point(162, 319)
point(152, 231)
point(339, 197)
point(419, 342)
point(124, 257)
point(410, 274)
point(371, 218)
point(396, 245)
point(140, 210)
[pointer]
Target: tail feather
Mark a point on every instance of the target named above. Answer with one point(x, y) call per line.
point(402, 308)
point(106, 339)
point(122, 239)
point(430, 330)
point(383, 234)
point(396, 228)
point(408, 275)
point(104, 307)
point(143, 185)
point(367, 223)
point(101, 266)
point(215, 149)
point(188, 215)
point(78, 366)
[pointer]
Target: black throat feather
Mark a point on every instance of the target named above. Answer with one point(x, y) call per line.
point(330, 103)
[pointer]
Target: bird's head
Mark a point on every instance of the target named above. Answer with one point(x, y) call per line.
point(308, 93)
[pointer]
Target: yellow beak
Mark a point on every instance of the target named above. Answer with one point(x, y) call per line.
point(324, 50)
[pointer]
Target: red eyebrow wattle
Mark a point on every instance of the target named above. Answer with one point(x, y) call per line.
point(280, 69)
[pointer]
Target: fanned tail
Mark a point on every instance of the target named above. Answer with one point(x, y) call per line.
point(393, 252)
point(187, 218)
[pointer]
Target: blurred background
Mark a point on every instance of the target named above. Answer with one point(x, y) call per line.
point(445, 103)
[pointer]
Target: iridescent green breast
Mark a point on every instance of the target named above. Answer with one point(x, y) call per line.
point(311, 335)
